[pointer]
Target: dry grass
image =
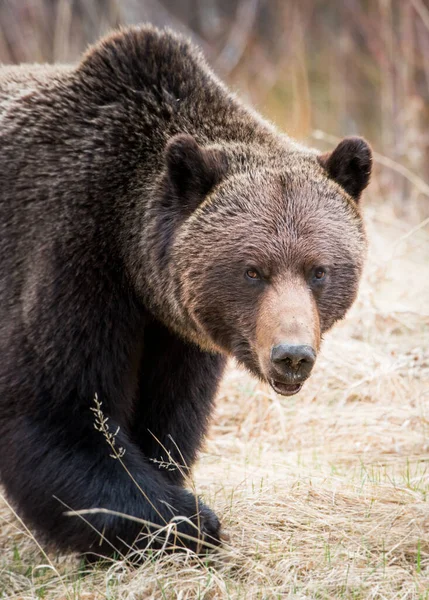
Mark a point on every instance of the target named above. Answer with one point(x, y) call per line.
point(324, 495)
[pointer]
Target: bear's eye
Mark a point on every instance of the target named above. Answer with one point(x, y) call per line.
point(252, 274)
point(319, 273)
point(318, 276)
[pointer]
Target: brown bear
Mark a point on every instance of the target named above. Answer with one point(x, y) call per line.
point(151, 225)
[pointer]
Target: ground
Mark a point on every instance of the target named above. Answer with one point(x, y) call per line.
point(323, 495)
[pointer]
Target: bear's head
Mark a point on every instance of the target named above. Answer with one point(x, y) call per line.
point(265, 253)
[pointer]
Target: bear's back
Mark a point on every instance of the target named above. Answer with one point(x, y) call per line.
point(19, 80)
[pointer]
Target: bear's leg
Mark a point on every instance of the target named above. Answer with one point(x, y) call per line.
point(60, 463)
point(178, 382)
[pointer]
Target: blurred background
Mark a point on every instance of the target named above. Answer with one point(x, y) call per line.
point(320, 69)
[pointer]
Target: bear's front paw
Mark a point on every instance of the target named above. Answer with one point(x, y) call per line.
point(202, 528)
point(209, 526)
point(196, 526)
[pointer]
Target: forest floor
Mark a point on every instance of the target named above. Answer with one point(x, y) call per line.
point(323, 495)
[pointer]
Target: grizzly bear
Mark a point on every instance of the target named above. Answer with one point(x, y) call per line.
point(151, 226)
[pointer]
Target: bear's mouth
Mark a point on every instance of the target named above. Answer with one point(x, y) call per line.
point(285, 389)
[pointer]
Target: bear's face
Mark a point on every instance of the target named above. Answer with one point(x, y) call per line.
point(270, 258)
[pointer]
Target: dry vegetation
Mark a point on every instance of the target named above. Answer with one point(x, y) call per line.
point(324, 495)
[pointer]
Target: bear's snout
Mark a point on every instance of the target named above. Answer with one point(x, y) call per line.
point(287, 336)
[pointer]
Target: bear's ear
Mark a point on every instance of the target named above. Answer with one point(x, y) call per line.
point(349, 165)
point(192, 171)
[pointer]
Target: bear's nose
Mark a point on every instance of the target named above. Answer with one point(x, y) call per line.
point(293, 359)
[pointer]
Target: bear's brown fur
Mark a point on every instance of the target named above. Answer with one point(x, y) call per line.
point(151, 224)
